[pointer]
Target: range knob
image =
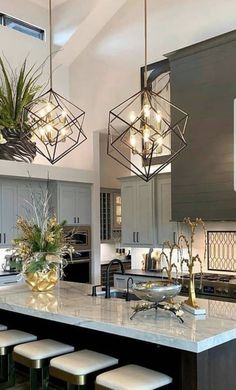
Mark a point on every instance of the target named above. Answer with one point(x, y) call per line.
point(219, 290)
point(225, 291)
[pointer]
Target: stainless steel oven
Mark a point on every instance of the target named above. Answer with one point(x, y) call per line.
point(78, 268)
point(78, 236)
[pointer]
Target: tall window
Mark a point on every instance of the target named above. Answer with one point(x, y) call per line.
point(20, 26)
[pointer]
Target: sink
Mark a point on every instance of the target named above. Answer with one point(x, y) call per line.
point(120, 294)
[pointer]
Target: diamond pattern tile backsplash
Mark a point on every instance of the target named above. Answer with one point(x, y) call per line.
point(221, 250)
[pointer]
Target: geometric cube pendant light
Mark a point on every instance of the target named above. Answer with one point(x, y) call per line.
point(146, 132)
point(54, 123)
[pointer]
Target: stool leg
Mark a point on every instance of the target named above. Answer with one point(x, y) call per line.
point(45, 378)
point(69, 386)
point(11, 375)
point(33, 379)
point(7, 371)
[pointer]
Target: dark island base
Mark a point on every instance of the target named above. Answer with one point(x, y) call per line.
point(210, 370)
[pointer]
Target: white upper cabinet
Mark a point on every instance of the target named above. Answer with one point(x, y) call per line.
point(138, 212)
point(72, 202)
point(146, 211)
point(14, 195)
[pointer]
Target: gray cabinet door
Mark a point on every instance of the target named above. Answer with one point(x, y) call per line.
point(9, 212)
point(75, 203)
point(145, 227)
point(138, 213)
point(165, 228)
point(67, 203)
point(128, 202)
point(83, 204)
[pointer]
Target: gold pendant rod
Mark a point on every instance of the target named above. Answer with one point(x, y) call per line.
point(50, 42)
point(145, 43)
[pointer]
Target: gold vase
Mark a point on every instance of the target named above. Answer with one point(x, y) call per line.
point(42, 281)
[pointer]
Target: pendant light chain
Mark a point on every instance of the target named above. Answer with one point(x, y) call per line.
point(145, 43)
point(50, 41)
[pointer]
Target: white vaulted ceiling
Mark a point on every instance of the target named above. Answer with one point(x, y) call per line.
point(77, 22)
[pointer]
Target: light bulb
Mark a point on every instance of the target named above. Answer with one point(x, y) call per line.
point(42, 113)
point(63, 134)
point(132, 140)
point(146, 133)
point(158, 116)
point(41, 131)
point(132, 116)
point(146, 110)
point(158, 119)
point(49, 107)
point(63, 118)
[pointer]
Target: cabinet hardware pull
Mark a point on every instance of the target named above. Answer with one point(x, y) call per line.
point(133, 236)
point(77, 219)
point(137, 237)
point(0, 238)
point(4, 238)
point(74, 219)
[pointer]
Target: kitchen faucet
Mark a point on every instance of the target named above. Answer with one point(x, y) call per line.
point(127, 297)
point(114, 261)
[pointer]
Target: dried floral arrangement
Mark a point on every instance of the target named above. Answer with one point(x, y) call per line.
point(41, 242)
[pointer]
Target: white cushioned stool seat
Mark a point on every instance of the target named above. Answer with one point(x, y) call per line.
point(133, 377)
point(42, 349)
point(12, 337)
point(3, 327)
point(74, 367)
point(83, 362)
point(8, 340)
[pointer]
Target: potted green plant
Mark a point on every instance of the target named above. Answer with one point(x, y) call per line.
point(17, 89)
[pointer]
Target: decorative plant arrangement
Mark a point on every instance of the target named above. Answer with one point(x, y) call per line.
point(186, 242)
point(40, 245)
point(17, 89)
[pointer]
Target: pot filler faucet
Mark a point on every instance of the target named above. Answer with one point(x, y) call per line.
point(114, 261)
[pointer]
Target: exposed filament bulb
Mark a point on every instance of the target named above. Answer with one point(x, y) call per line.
point(146, 133)
point(133, 141)
point(146, 110)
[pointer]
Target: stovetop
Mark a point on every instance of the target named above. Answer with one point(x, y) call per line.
point(212, 277)
point(212, 285)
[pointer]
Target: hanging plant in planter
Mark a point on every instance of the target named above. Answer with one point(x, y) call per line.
point(17, 89)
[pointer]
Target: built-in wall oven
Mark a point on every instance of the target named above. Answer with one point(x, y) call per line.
point(78, 267)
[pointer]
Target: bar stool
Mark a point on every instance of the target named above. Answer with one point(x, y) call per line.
point(8, 340)
point(130, 377)
point(36, 356)
point(74, 367)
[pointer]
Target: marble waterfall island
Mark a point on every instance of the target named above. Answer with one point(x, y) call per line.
point(203, 348)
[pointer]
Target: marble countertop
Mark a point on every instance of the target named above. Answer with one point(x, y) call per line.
point(71, 303)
